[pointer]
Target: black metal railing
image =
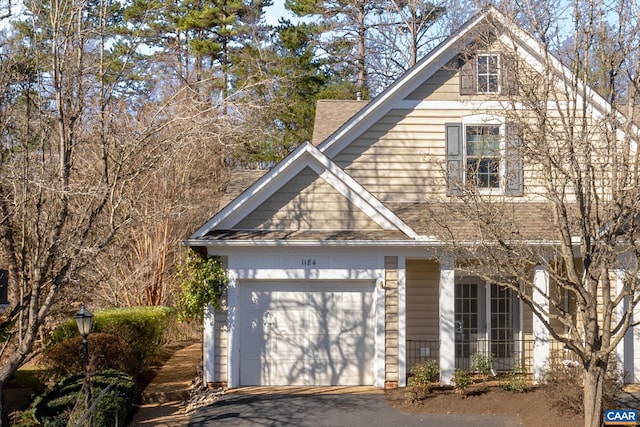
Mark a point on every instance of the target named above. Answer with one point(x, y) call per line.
point(472, 355)
point(496, 355)
point(419, 351)
point(501, 356)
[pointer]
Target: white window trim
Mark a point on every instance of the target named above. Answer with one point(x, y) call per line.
point(477, 72)
point(486, 120)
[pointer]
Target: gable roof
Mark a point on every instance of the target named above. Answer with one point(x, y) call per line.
point(529, 50)
point(331, 114)
point(397, 221)
point(305, 156)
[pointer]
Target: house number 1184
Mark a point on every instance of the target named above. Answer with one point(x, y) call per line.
point(307, 262)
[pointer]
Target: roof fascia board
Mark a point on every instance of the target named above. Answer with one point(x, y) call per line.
point(384, 102)
point(347, 243)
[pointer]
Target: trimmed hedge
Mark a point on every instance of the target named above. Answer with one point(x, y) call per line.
point(106, 352)
point(64, 403)
point(143, 328)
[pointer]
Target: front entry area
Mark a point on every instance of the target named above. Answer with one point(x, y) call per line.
point(487, 321)
point(306, 333)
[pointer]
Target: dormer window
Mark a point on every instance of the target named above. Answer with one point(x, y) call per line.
point(488, 73)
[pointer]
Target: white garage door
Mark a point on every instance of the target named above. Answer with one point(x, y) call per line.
point(307, 333)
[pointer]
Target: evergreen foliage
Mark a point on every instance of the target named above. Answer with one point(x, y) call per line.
point(202, 284)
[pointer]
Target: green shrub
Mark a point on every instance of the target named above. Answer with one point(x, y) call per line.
point(423, 373)
point(482, 364)
point(461, 380)
point(143, 328)
point(516, 379)
point(113, 394)
point(202, 281)
point(515, 382)
point(421, 378)
point(106, 351)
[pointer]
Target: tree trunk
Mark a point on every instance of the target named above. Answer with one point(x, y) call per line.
point(594, 377)
point(4, 416)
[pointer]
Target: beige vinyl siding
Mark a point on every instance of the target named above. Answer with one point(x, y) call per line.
point(220, 334)
point(443, 85)
point(422, 306)
point(307, 202)
point(401, 158)
point(221, 344)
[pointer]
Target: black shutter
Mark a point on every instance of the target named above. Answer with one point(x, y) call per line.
point(467, 71)
point(454, 158)
point(514, 175)
point(4, 287)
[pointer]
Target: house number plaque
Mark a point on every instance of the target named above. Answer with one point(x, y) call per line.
point(307, 262)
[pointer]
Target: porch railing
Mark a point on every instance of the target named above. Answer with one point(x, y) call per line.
point(504, 356)
point(419, 351)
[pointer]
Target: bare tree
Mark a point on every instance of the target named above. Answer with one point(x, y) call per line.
point(578, 220)
point(75, 158)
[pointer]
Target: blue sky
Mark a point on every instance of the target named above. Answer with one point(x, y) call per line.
point(273, 13)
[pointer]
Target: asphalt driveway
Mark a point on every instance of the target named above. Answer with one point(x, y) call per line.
point(364, 407)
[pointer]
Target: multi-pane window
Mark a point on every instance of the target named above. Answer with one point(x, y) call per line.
point(466, 313)
point(483, 156)
point(501, 322)
point(488, 73)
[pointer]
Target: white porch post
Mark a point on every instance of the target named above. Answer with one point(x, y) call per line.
point(209, 345)
point(233, 350)
point(540, 332)
point(402, 322)
point(447, 320)
point(624, 351)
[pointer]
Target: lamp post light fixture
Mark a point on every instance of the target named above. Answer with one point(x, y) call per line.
point(84, 319)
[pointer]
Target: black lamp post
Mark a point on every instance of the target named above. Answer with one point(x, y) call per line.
point(84, 319)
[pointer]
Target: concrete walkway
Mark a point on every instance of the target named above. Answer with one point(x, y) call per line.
point(162, 400)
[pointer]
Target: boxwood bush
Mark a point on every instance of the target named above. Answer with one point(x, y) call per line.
point(142, 328)
point(112, 392)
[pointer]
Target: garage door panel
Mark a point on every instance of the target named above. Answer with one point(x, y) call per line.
point(253, 322)
point(350, 372)
point(258, 298)
point(290, 300)
point(323, 300)
point(307, 333)
point(291, 321)
point(292, 371)
point(360, 346)
point(253, 372)
point(290, 346)
point(355, 321)
point(324, 322)
point(357, 300)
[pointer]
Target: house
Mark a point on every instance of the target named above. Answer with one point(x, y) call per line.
point(338, 257)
